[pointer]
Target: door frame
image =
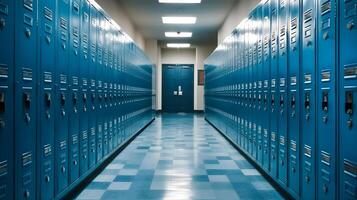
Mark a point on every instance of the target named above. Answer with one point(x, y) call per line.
point(163, 84)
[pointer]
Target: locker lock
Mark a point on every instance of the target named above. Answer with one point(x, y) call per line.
point(47, 178)
point(84, 97)
point(27, 194)
point(349, 103)
point(272, 100)
point(63, 99)
point(350, 25)
point(27, 32)
point(93, 97)
point(325, 36)
point(325, 101)
point(48, 99)
point(48, 39)
point(293, 101)
point(2, 102)
point(307, 101)
point(27, 100)
point(2, 23)
point(325, 188)
point(307, 179)
point(281, 103)
point(75, 98)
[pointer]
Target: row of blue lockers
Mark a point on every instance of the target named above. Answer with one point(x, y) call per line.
point(283, 88)
point(73, 90)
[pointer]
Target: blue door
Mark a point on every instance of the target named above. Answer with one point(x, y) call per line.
point(177, 88)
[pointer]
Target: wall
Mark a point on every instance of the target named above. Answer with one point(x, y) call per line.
point(239, 12)
point(116, 11)
point(202, 52)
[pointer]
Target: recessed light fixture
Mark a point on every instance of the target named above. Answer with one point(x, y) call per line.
point(179, 20)
point(179, 1)
point(178, 45)
point(178, 34)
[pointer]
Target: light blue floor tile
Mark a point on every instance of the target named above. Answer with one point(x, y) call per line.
point(179, 157)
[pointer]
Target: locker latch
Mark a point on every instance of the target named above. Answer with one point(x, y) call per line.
point(27, 100)
point(48, 99)
point(349, 107)
point(307, 101)
point(84, 97)
point(2, 102)
point(75, 98)
point(63, 99)
point(2, 23)
point(325, 101)
point(293, 101)
point(281, 103)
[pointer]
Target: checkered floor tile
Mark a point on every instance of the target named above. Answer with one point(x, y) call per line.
point(179, 157)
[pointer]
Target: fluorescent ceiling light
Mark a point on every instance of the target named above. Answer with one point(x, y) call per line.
point(178, 34)
point(179, 20)
point(179, 1)
point(178, 45)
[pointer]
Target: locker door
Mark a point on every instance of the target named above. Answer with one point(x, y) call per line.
point(25, 98)
point(266, 90)
point(61, 100)
point(294, 97)
point(326, 100)
point(47, 63)
point(260, 69)
point(84, 81)
point(92, 103)
point(74, 103)
point(7, 14)
point(105, 86)
point(99, 77)
point(274, 90)
point(348, 99)
point(308, 103)
point(283, 11)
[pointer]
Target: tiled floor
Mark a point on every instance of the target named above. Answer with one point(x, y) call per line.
point(180, 157)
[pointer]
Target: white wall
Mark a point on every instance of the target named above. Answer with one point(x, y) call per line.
point(239, 12)
point(121, 17)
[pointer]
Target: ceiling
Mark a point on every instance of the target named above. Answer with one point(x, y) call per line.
point(146, 16)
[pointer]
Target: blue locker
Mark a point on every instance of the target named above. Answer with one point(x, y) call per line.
point(7, 20)
point(274, 84)
point(326, 100)
point(84, 82)
point(25, 98)
point(294, 97)
point(260, 70)
point(75, 102)
point(61, 101)
point(347, 99)
point(99, 77)
point(110, 88)
point(92, 104)
point(266, 22)
point(308, 109)
point(105, 87)
point(283, 12)
point(47, 63)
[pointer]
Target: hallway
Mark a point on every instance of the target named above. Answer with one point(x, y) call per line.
point(180, 156)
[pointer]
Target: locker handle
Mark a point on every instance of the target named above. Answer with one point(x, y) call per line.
point(2, 102)
point(48, 99)
point(63, 99)
point(325, 101)
point(307, 101)
point(27, 100)
point(349, 103)
point(2, 23)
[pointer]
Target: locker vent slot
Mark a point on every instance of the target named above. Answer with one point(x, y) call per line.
point(74, 139)
point(307, 151)
point(282, 82)
point(3, 168)
point(63, 79)
point(325, 76)
point(76, 6)
point(325, 7)
point(282, 3)
point(293, 80)
point(350, 168)
point(4, 9)
point(282, 140)
point(350, 9)
point(273, 136)
point(273, 83)
point(294, 23)
point(63, 145)
point(308, 15)
point(47, 150)
point(325, 158)
point(75, 80)
point(75, 31)
point(85, 17)
point(350, 71)
point(63, 23)
point(27, 74)
point(28, 4)
point(48, 14)
point(47, 77)
point(4, 71)
point(26, 159)
point(293, 145)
